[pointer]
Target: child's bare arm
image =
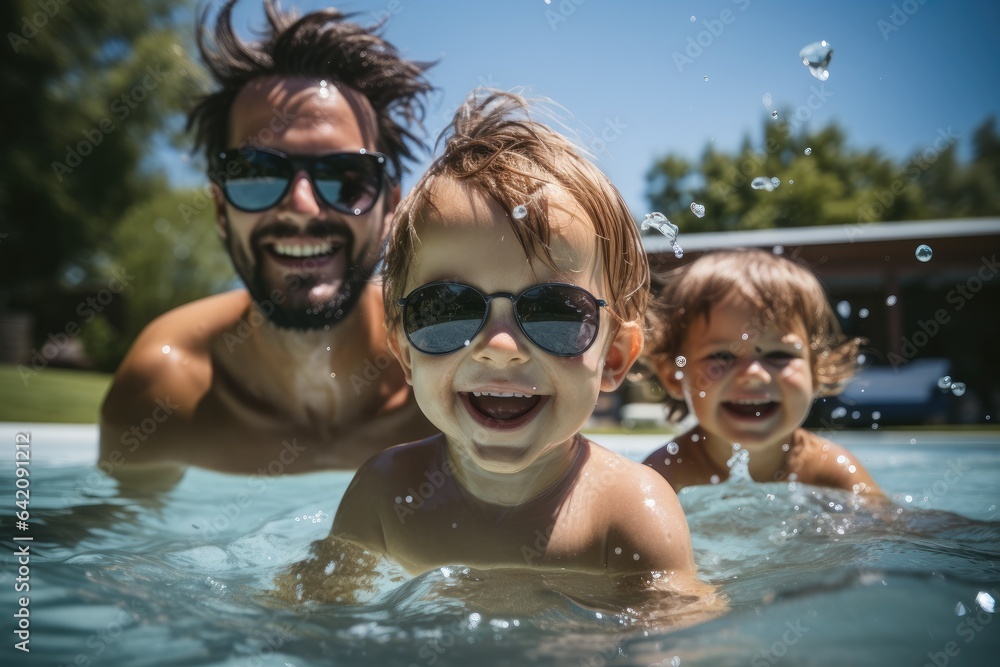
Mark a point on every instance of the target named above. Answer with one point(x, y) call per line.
point(648, 531)
point(829, 464)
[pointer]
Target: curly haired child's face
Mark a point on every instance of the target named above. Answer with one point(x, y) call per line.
point(745, 383)
point(468, 393)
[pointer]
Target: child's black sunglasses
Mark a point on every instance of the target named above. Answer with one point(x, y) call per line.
point(444, 317)
point(256, 179)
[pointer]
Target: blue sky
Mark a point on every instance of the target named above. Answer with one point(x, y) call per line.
point(632, 73)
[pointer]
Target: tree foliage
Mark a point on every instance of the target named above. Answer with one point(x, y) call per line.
point(824, 181)
point(88, 85)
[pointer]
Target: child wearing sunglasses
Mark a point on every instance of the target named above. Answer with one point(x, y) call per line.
point(515, 282)
point(744, 340)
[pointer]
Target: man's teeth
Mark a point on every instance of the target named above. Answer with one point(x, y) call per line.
point(502, 394)
point(310, 250)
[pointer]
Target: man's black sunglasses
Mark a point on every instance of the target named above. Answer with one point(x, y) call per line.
point(256, 179)
point(443, 317)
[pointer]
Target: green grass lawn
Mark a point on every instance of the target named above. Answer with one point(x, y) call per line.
point(52, 395)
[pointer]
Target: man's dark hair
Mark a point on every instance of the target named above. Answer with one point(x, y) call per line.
point(323, 45)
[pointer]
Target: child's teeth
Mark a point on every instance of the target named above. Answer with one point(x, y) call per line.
point(501, 394)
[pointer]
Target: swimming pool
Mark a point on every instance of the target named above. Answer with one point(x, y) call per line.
point(183, 578)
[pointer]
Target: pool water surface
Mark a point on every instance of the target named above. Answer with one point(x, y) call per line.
point(186, 576)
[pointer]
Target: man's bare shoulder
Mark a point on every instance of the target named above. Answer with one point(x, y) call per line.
point(169, 365)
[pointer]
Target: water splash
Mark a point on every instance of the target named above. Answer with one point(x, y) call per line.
point(739, 463)
point(659, 222)
point(816, 57)
point(698, 209)
point(924, 252)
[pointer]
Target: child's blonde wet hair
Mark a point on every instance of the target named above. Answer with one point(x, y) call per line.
point(784, 293)
point(493, 145)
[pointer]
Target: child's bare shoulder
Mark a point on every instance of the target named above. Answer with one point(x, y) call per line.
point(679, 462)
point(822, 462)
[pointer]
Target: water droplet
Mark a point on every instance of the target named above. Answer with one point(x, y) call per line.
point(618, 551)
point(844, 309)
point(678, 375)
point(467, 343)
point(890, 300)
point(838, 412)
point(333, 375)
point(958, 388)
point(701, 394)
point(706, 77)
point(673, 448)
point(856, 415)
point(791, 181)
point(520, 212)
point(986, 602)
point(876, 415)
point(698, 209)
point(675, 661)
point(635, 556)
point(323, 90)
point(678, 251)
point(659, 222)
point(774, 114)
point(816, 57)
point(693, 19)
point(165, 349)
point(763, 183)
point(960, 609)
point(766, 100)
point(944, 382)
point(681, 362)
point(924, 252)
point(714, 479)
point(775, 181)
point(778, 250)
point(808, 151)
point(863, 313)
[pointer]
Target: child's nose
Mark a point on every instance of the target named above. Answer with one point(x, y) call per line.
point(754, 373)
point(501, 342)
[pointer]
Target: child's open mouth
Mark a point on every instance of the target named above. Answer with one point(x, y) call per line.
point(750, 409)
point(501, 409)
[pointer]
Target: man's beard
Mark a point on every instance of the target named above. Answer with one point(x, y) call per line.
point(323, 308)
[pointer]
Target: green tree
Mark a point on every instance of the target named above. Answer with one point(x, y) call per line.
point(169, 249)
point(88, 85)
point(823, 181)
